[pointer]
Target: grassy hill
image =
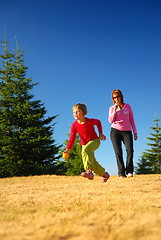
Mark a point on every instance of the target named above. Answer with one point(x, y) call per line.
point(63, 208)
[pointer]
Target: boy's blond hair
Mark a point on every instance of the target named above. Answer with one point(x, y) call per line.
point(82, 107)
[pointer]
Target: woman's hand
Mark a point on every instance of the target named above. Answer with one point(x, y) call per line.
point(118, 104)
point(135, 136)
point(115, 106)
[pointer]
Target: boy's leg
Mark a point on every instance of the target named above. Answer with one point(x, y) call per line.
point(89, 159)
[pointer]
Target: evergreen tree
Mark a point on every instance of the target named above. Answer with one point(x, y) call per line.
point(143, 166)
point(73, 165)
point(151, 158)
point(26, 144)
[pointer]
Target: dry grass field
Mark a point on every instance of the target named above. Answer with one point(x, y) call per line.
point(62, 208)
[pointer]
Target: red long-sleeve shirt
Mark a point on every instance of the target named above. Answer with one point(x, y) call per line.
point(86, 131)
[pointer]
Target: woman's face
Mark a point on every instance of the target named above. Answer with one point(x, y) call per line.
point(116, 99)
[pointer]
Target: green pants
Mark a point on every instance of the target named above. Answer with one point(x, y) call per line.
point(89, 160)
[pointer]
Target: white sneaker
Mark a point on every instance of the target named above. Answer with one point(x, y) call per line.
point(129, 175)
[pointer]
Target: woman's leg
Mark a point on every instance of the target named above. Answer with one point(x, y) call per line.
point(89, 159)
point(116, 138)
point(128, 141)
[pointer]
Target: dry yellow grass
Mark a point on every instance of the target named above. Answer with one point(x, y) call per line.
point(63, 208)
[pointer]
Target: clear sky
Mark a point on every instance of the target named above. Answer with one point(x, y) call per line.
point(81, 50)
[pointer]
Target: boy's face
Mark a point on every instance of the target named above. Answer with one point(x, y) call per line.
point(78, 114)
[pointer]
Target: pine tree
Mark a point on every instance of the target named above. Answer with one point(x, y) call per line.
point(152, 156)
point(143, 166)
point(73, 165)
point(26, 144)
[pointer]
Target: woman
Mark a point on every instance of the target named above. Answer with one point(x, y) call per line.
point(123, 124)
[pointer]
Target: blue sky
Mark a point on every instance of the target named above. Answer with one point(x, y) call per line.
point(81, 50)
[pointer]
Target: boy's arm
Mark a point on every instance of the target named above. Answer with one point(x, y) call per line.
point(71, 139)
point(99, 126)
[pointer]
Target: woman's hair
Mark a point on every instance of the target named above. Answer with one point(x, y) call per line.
point(118, 93)
point(81, 106)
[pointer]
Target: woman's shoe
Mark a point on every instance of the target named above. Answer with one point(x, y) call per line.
point(129, 175)
point(122, 176)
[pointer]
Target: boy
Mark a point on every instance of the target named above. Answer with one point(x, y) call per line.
point(89, 140)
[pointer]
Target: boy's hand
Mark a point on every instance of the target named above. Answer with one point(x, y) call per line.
point(65, 155)
point(102, 137)
point(67, 151)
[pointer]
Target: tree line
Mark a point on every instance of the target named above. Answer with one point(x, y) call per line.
point(27, 146)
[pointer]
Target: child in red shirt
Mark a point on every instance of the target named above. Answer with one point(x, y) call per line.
point(89, 140)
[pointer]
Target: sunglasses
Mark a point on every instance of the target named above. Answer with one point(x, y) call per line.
point(116, 96)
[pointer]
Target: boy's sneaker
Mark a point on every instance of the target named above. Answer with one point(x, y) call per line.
point(88, 174)
point(129, 175)
point(105, 177)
